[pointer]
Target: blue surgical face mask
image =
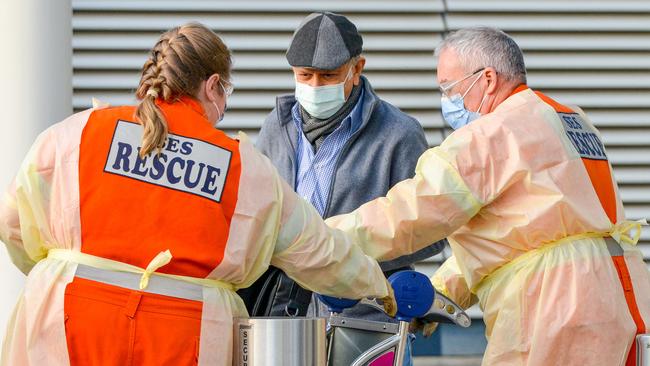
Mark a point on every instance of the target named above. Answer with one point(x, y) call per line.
point(322, 101)
point(453, 108)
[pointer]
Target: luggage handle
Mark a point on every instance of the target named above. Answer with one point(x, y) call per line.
point(415, 297)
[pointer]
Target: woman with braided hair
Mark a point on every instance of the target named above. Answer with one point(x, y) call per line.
point(136, 224)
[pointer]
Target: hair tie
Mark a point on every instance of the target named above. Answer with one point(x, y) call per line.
point(153, 93)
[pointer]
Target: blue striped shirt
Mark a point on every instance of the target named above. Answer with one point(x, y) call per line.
point(314, 171)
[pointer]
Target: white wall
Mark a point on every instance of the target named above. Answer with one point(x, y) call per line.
point(35, 91)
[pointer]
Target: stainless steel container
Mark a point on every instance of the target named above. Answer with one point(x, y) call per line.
point(280, 342)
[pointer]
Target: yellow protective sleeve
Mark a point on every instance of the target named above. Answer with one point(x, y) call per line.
point(10, 231)
point(414, 213)
point(450, 281)
point(321, 259)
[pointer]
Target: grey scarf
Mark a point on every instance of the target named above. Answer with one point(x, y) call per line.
point(316, 130)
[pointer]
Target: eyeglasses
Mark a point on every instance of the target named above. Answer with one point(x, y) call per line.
point(227, 87)
point(446, 87)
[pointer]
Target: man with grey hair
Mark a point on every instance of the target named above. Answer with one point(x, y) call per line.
point(338, 144)
point(524, 191)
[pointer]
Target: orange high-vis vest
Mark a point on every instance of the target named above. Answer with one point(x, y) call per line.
point(594, 158)
point(180, 198)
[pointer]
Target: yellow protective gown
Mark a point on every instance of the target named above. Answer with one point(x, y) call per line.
point(526, 230)
point(270, 225)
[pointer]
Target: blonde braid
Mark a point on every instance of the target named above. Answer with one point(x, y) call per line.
point(152, 85)
point(181, 60)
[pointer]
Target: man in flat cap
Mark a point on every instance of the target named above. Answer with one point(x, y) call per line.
point(336, 142)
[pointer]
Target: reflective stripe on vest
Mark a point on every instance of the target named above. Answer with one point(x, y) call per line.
point(134, 278)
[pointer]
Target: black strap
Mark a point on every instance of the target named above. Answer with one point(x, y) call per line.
point(275, 294)
point(298, 301)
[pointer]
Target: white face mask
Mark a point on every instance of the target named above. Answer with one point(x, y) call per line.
point(322, 101)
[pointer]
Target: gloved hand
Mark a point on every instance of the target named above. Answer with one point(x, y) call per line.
point(427, 328)
point(390, 305)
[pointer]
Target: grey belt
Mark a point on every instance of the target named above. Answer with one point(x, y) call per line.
point(157, 284)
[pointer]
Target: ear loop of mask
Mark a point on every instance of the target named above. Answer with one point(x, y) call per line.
point(225, 106)
point(470, 88)
point(350, 73)
point(348, 76)
point(218, 111)
point(481, 105)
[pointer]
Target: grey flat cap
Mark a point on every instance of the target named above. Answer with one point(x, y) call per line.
point(324, 41)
